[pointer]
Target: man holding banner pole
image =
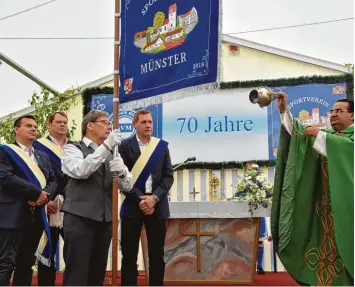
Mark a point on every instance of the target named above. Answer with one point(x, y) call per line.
point(169, 50)
point(149, 161)
point(91, 167)
point(26, 180)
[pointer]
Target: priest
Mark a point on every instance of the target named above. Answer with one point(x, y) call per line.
point(312, 220)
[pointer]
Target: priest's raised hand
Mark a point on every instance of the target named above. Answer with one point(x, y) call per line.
point(311, 132)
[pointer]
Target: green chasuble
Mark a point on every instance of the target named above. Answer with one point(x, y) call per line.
point(312, 219)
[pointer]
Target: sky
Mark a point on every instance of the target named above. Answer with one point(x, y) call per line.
point(66, 63)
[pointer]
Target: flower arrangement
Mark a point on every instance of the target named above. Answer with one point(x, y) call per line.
point(254, 188)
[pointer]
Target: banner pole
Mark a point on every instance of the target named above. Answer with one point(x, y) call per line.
point(115, 126)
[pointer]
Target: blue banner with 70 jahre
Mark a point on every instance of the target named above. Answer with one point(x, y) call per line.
point(169, 50)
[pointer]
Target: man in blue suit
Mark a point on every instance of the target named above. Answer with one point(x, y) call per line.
point(21, 225)
point(147, 202)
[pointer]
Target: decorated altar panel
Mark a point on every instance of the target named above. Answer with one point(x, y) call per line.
point(210, 242)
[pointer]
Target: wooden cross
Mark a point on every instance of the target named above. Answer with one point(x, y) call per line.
point(198, 234)
point(194, 193)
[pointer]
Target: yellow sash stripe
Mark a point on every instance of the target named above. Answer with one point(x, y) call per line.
point(43, 242)
point(52, 146)
point(144, 157)
point(140, 164)
point(31, 164)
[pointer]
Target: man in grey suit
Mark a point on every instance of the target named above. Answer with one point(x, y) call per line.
point(146, 203)
point(87, 207)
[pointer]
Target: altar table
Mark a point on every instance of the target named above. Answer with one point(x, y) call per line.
point(210, 243)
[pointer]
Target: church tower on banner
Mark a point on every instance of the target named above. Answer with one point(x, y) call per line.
point(172, 18)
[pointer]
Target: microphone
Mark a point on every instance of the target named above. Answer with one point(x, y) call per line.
point(187, 160)
point(190, 159)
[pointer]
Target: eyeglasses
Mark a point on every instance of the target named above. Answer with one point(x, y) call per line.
point(106, 123)
point(337, 111)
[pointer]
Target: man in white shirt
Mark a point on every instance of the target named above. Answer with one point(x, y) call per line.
point(87, 207)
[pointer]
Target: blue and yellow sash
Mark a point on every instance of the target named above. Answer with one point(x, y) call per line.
point(51, 149)
point(32, 173)
point(143, 167)
point(55, 153)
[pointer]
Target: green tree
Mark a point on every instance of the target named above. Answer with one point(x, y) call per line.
point(350, 68)
point(44, 104)
point(158, 19)
point(350, 84)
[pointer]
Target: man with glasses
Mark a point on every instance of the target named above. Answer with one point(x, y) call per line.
point(313, 202)
point(87, 207)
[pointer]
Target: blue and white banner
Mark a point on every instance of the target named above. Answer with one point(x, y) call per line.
point(103, 102)
point(169, 50)
point(309, 104)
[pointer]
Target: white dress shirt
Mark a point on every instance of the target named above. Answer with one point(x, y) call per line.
point(149, 182)
point(56, 142)
point(76, 166)
point(56, 219)
point(30, 152)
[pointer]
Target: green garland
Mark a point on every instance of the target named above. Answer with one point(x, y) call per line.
point(224, 164)
point(347, 78)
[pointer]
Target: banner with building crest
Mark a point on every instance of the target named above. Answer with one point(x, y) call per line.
point(309, 104)
point(169, 50)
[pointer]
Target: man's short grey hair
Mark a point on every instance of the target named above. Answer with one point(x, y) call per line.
point(91, 117)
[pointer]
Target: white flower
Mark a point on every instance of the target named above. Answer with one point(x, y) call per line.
point(241, 187)
point(254, 173)
point(267, 185)
point(260, 178)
